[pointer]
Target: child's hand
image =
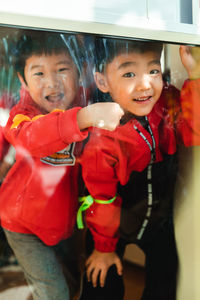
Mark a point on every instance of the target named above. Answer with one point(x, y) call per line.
point(106, 115)
point(98, 264)
point(190, 57)
point(103, 115)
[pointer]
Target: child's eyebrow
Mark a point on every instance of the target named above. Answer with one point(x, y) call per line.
point(154, 62)
point(64, 62)
point(61, 62)
point(126, 64)
point(35, 67)
point(134, 63)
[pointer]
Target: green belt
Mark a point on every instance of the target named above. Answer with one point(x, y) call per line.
point(87, 201)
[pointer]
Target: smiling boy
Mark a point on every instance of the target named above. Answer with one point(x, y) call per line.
point(38, 200)
point(51, 80)
point(131, 171)
point(139, 93)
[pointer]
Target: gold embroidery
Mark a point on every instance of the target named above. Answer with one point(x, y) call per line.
point(18, 119)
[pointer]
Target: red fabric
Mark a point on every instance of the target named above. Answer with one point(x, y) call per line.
point(110, 157)
point(189, 128)
point(35, 197)
point(4, 145)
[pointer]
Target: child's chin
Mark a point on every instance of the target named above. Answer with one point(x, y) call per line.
point(138, 112)
point(57, 106)
point(143, 111)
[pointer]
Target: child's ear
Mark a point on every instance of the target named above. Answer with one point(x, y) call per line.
point(22, 81)
point(101, 82)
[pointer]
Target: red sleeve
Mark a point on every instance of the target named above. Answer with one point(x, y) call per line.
point(188, 124)
point(99, 173)
point(44, 134)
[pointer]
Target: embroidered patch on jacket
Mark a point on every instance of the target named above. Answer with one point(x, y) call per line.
point(64, 157)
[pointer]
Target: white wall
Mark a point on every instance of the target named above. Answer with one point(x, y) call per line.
point(187, 224)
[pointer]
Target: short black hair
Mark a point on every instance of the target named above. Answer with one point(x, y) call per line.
point(106, 49)
point(33, 42)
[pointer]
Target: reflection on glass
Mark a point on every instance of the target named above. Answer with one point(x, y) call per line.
point(108, 122)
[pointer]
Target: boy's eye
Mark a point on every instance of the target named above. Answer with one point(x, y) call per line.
point(63, 69)
point(155, 71)
point(129, 74)
point(38, 74)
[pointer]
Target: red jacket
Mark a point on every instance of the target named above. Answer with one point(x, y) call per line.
point(4, 145)
point(110, 157)
point(37, 197)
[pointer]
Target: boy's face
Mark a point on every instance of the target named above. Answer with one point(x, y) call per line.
point(51, 80)
point(133, 80)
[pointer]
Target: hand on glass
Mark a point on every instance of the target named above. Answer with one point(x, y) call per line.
point(98, 264)
point(190, 57)
point(103, 115)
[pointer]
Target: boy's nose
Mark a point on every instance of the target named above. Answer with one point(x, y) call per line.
point(143, 83)
point(52, 81)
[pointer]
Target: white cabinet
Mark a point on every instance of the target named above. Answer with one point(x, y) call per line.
point(177, 11)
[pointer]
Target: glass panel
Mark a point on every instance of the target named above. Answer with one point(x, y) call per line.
point(99, 142)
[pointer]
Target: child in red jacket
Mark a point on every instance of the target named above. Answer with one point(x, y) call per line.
point(38, 200)
point(131, 171)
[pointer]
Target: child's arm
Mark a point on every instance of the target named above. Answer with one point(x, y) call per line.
point(42, 135)
point(98, 264)
point(188, 121)
point(102, 171)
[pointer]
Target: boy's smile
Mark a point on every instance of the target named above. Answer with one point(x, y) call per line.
point(133, 80)
point(55, 97)
point(51, 80)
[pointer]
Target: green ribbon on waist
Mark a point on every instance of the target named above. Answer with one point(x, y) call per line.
point(87, 201)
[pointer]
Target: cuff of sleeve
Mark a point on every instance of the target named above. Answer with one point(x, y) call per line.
point(191, 82)
point(68, 126)
point(105, 244)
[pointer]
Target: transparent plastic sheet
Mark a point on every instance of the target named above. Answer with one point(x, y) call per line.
point(9, 92)
point(134, 220)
